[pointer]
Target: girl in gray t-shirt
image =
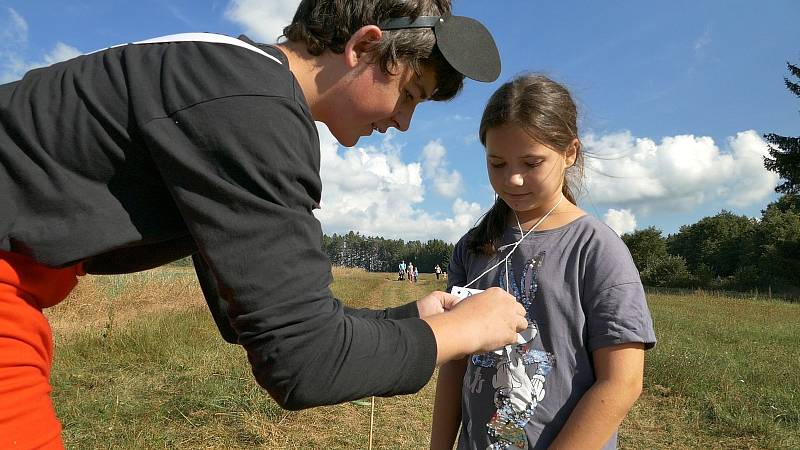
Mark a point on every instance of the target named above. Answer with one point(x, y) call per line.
point(578, 368)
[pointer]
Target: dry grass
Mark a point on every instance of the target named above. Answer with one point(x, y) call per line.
point(108, 301)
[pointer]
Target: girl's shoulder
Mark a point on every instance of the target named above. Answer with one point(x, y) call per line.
point(586, 226)
point(466, 237)
point(462, 253)
point(602, 252)
point(586, 235)
point(594, 227)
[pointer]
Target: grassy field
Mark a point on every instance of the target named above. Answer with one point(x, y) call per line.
point(139, 364)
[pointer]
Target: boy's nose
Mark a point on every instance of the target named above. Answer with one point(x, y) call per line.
point(402, 119)
point(403, 125)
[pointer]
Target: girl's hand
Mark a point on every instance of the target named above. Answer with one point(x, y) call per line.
point(435, 303)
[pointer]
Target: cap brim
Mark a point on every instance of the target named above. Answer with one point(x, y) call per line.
point(469, 47)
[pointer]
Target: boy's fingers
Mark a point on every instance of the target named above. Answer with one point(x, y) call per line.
point(449, 300)
point(522, 324)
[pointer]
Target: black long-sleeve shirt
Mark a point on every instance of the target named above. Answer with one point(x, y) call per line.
point(137, 155)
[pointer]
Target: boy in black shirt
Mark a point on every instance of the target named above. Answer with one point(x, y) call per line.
point(204, 145)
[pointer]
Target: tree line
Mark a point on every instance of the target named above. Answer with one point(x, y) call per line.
point(726, 251)
point(377, 254)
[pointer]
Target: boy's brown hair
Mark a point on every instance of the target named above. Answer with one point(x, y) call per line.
point(328, 25)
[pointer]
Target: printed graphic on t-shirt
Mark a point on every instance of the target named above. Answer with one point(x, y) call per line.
point(519, 381)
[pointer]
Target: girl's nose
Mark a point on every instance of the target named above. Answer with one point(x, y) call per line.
point(514, 179)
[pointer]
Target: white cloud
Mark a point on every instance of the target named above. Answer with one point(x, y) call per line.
point(472, 138)
point(448, 184)
point(373, 191)
point(18, 25)
point(180, 16)
point(433, 155)
point(14, 39)
point(263, 20)
point(622, 221)
point(750, 181)
point(13, 36)
point(701, 52)
point(13, 66)
point(679, 173)
point(61, 52)
point(702, 42)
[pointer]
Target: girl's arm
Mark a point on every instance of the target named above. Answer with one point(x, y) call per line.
point(447, 406)
point(620, 371)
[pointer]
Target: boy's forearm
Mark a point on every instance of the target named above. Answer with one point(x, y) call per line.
point(447, 406)
point(597, 415)
point(453, 341)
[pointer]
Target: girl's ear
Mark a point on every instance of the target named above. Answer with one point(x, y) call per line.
point(571, 155)
point(360, 43)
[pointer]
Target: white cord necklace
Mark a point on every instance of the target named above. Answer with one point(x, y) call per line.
point(504, 260)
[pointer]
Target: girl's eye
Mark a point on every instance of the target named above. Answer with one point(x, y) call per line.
point(534, 164)
point(409, 96)
point(498, 165)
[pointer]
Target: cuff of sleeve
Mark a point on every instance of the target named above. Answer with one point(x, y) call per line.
point(608, 340)
point(407, 311)
point(422, 362)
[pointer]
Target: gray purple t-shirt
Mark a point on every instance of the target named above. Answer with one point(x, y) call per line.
point(582, 292)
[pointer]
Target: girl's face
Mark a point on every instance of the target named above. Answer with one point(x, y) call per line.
point(526, 174)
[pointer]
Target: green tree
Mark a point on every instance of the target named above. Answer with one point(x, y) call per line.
point(645, 245)
point(377, 254)
point(778, 241)
point(722, 243)
point(334, 247)
point(784, 151)
point(667, 271)
point(702, 275)
point(435, 251)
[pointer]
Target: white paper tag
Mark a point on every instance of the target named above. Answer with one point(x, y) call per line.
point(526, 336)
point(463, 292)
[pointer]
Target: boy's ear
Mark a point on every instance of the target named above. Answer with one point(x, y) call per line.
point(571, 155)
point(359, 44)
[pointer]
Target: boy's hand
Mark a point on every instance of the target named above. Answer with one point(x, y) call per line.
point(493, 318)
point(435, 303)
point(480, 323)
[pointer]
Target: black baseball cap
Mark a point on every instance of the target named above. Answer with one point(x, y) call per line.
point(464, 42)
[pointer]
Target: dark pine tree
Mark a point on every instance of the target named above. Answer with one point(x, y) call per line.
point(784, 151)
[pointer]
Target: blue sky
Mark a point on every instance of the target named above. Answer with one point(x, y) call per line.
point(674, 97)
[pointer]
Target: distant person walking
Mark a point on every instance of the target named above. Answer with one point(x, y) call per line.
point(437, 270)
